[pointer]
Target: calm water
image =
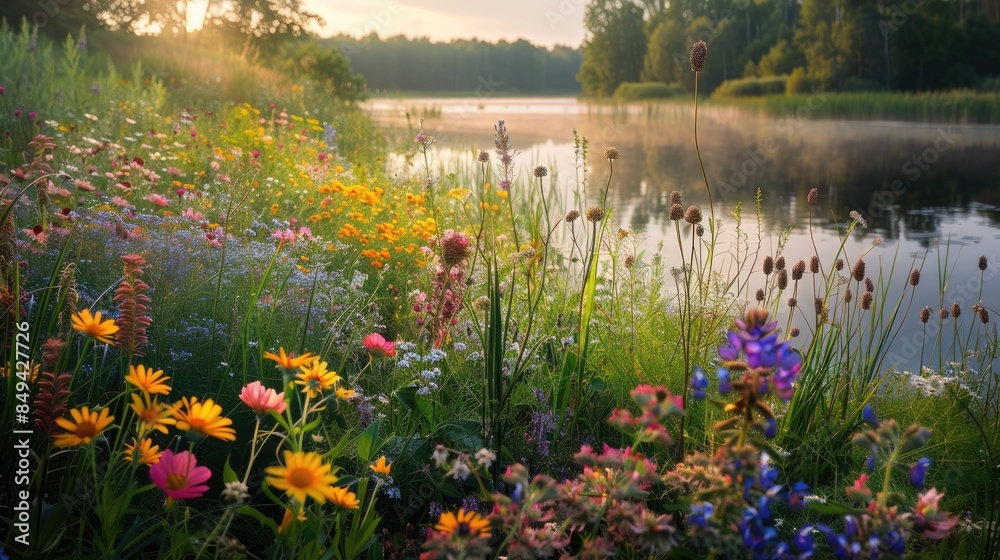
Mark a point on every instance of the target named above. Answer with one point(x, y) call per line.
point(929, 192)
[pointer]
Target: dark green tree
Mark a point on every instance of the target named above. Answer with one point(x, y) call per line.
point(615, 46)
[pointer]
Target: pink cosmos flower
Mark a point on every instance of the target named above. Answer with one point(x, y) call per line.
point(157, 199)
point(121, 202)
point(377, 345)
point(179, 475)
point(191, 214)
point(262, 399)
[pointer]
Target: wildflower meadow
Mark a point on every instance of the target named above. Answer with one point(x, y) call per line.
point(232, 330)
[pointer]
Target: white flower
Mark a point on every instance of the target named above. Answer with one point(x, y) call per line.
point(459, 469)
point(439, 456)
point(485, 457)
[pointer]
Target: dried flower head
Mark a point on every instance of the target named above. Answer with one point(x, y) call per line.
point(484, 156)
point(915, 277)
point(675, 197)
point(866, 301)
point(869, 285)
point(779, 263)
point(454, 247)
point(572, 215)
point(859, 270)
point(813, 197)
point(699, 230)
point(760, 294)
point(956, 310)
point(925, 314)
point(798, 269)
point(839, 265)
point(676, 212)
point(848, 296)
point(540, 171)
point(693, 215)
point(814, 264)
point(819, 305)
point(629, 261)
point(595, 213)
point(984, 315)
point(699, 52)
point(782, 279)
point(768, 265)
point(982, 262)
point(792, 302)
point(943, 313)
point(793, 332)
point(611, 153)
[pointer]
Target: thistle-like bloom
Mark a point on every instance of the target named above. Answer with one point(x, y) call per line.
point(463, 524)
point(203, 419)
point(699, 53)
point(92, 326)
point(262, 400)
point(303, 475)
point(152, 414)
point(150, 381)
point(289, 361)
point(928, 520)
point(454, 247)
point(316, 378)
point(381, 466)
point(343, 498)
point(84, 428)
point(377, 345)
point(179, 475)
point(145, 452)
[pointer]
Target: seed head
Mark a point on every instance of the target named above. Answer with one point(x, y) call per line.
point(693, 215)
point(866, 301)
point(622, 233)
point(814, 264)
point(869, 285)
point(675, 197)
point(813, 197)
point(540, 171)
point(984, 315)
point(915, 277)
point(454, 247)
point(484, 157)
point(794, 332)
point(629, 261)
point(699, 52)
point(839, 265)
point(572, 215)
point(943, 313)
point(779, 263)
point(925, 314)
point(848, 296)
point(595, 213)
point(820, 305)
point(782, 279)
point(611, 153)
point(792, 302)
point(982, 262)
point(859, 271)
point(676, 212)
point(956, 310)
point(760, 295)
point(768, 265)
point(798, 270)
point(699, 230)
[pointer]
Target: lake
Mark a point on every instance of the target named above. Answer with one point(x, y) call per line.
point(930, 193)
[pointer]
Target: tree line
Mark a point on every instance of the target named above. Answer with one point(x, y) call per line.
point(840, 45)
point(421, 65)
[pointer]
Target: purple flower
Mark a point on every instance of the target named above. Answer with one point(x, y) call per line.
point(869, 415)
point(725, 384)
point(698, 384)
point(918, 471)
point(700, 514)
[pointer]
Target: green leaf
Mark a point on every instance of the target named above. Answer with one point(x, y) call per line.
point(228, 474)
point(264, 520)
point(366, 442)
point(407, 396)
point(598, 385)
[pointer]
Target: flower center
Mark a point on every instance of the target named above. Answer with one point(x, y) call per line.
point(300, 478)
point(197, 424)
point(86, 430)
point(463, 529)
point(176, 481)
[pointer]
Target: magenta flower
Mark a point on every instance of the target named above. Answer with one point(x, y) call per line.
point(179, 475)
point(262, 399)
point(377, 345)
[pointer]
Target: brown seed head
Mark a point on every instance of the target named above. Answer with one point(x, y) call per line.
point(984, 315)
point(982, 262)
point(484, 157)
point(779, 263)
point(915, 277)
point(782, 279)
point(676, 212)
point(595, 213)
point(798, 270)
point(611, 153)
point(699, 52)
point(848, 296)
point(866, 301)
point(572, 215)
point(943, 313)
point(768, 265)
point(794, 332)
point(813, 197)
point(792, 302)
point(693, 215)
point(839, 265)
point(629, 261)
point(859, 271)
point(699, 230)
point(869, 285)
point(819, 304)
point(925, 314)
point(956, 310)
point(540, 171)
point(814, 264)
point(760, 295)
point(675, 197)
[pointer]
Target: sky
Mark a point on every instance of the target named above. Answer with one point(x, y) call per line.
point(544, 22)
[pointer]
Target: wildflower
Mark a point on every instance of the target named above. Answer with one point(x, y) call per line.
point(84, 428)
point(203, 419)
point(798, 270)
point(343, 498)
point(915, 277)
point(814, 264)
point(459, 469)
point(289, 361)
point(813, 197)
point(261, 399)
point(982, 263)
point(150, 381)
point(316, 378)
point(611, 153)
point(698, 384)
point(377, 345)
point(675, 198)
point(928, 520)
point(454, 247)
point(956, 310)
point(303, 475)
point(925, 314)
point(345, 394)
point(918, 471)
point(439, 456)
point(144, 451)
point(485, 457)
point(676, 212)
point(91, 325)
point(700, 514)
point(866, 300)
point(725, 383)
point(152, 414)
point(693, 215)
point(484, 156)
point(179, 475)
point(235, 492)
point(381, 466)
point(463, 524)
point(699, 52)
point(158, 199)
point(540, 171)
point(595, 213)
point(572, 215)
point(768, 265)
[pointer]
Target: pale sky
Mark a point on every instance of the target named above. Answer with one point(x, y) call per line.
point(545, 22)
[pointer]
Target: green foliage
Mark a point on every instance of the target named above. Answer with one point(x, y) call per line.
point(630, 91)
point(614, 51)
point(751, 87)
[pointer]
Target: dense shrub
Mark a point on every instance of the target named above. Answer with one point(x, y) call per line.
point(648, 90)
point(752, 87)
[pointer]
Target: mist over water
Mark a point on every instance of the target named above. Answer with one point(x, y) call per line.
point(930, 193)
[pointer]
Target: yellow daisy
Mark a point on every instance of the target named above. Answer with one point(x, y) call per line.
point(203, 419)
point(346, 393)
point(85, 426)
point(382, 466)
point(146, 452)
point(464, 524)
point(91, 325)
point(304, 474)
point(152, 415)
point(150, 381)
point(341, 497)
point(315, 378)
point(286, 361)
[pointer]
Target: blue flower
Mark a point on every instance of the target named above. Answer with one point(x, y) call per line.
point(725, 384)
point(698, 384)
point(918, 471)
point(700, 514)
point(770, 428)
point(869, 415)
